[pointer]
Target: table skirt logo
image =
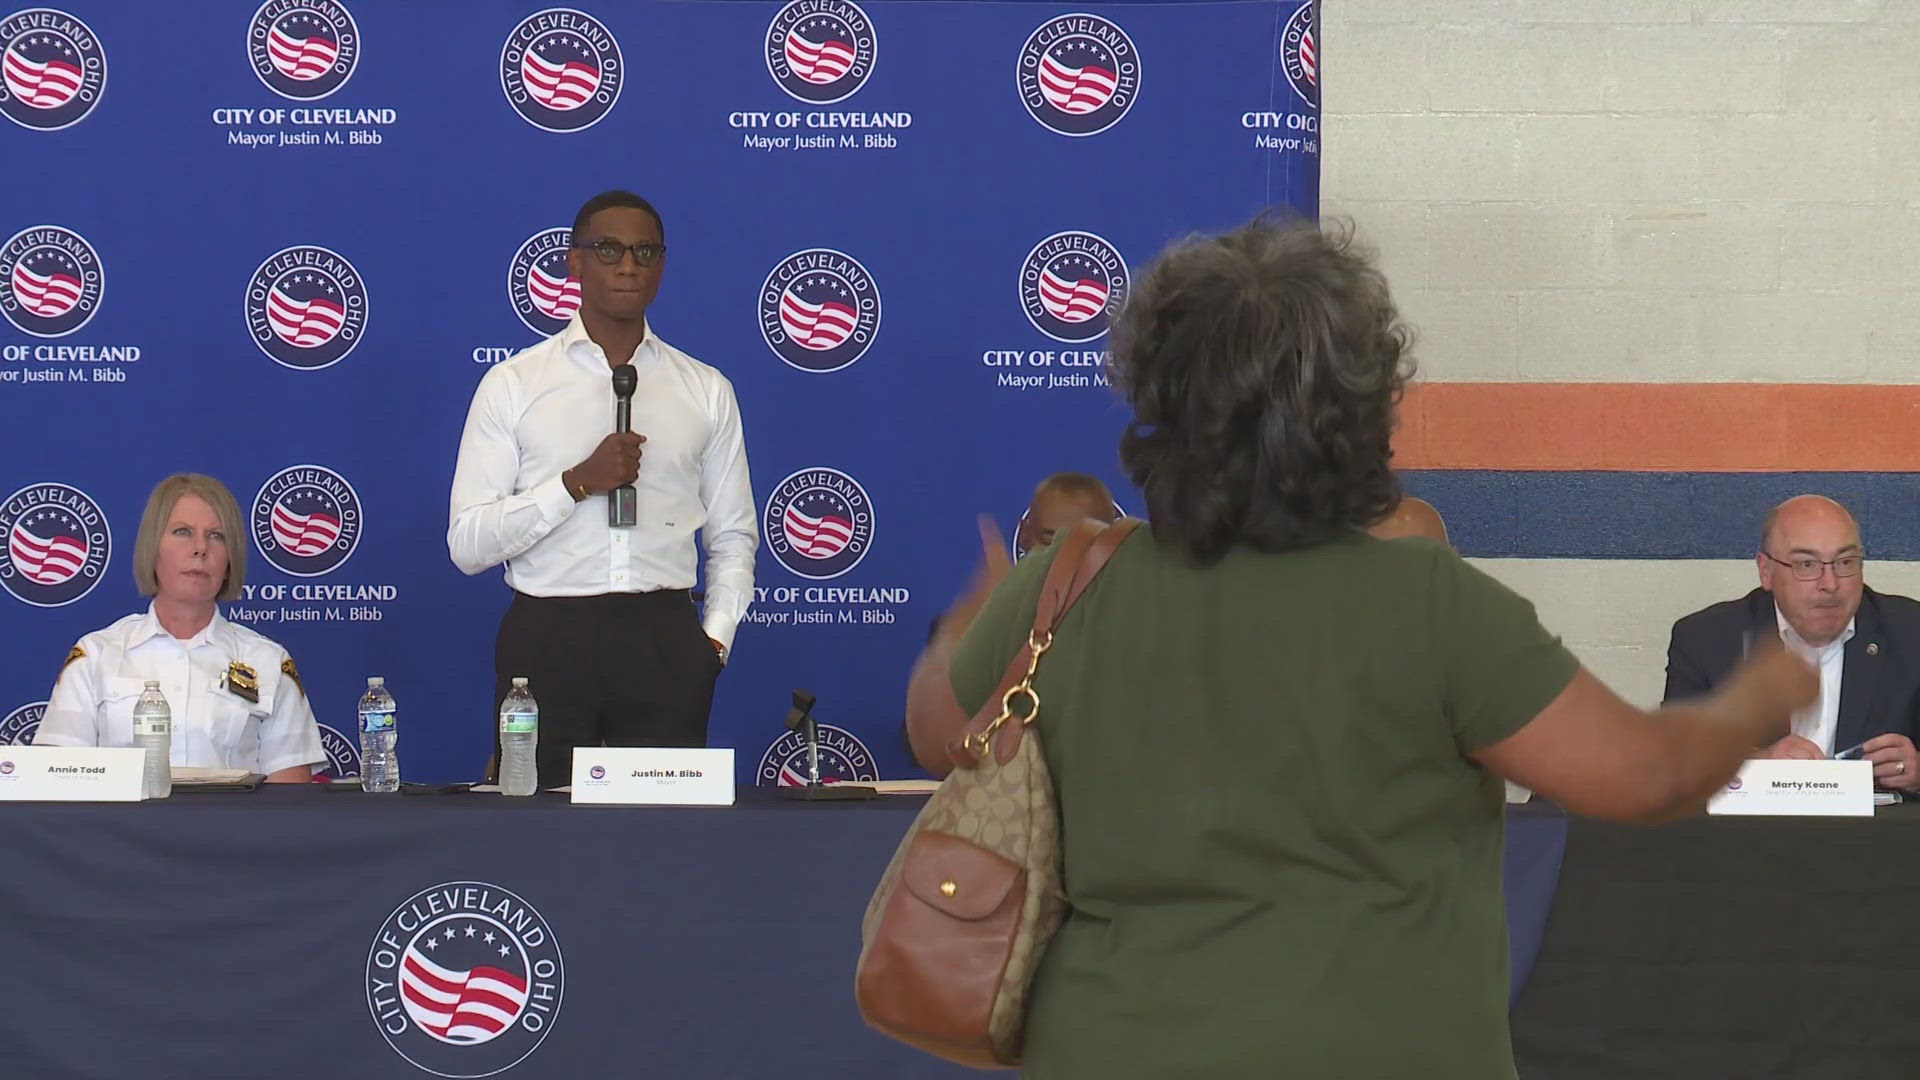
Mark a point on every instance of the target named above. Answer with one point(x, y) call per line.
point(464, 979)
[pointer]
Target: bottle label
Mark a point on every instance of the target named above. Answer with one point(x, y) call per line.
point(152, 725)
point(517, 723)
point(371, 722)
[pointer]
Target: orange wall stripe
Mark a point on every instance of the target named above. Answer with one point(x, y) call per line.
point(1660, 427)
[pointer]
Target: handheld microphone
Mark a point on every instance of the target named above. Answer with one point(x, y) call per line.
point(623, 503)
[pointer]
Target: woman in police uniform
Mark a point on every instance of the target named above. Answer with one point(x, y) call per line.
point(236, 697)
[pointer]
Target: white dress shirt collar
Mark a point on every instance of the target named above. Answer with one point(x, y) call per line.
point(580, 347)
point(148, 627)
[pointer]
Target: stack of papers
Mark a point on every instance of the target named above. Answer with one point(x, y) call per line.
point(904, 787)
point(215, 778)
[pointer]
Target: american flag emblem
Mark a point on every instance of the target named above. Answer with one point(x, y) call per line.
point(306, 520)
point(819, 62)
point(52, 67)
point(819, 326)
point(304, 49)
point(844, 759)
point(50, 280)
point(1071, 285)
point(557, 297)
point(561, 70)
point(820, 536)
point(819, 523)
point(561, 87)
point(48, 295)
point(305, 324)
point(819, 310)
point(464, 1004)
point(46, 84)
point(1076, 91)
point(1073, 301)
point(306, 307)
point(820, 52)
point(544, 292)
point(464, 979)
point(1299, 57)
point(1079, 74)
point(19, 726)
point(304, 535)
point(301, 59)
point(57, 544)
point(50, 557)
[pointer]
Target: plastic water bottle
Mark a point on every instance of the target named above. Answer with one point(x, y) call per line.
point(379, 765)
point(519, 735)
point(153, 732)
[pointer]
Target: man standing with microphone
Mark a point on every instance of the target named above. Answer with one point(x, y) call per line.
point(602, 622)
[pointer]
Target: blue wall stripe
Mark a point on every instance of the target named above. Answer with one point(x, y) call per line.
point(1639, 515)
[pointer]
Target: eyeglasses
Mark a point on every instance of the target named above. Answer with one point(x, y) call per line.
point(609, 252)
point(1805, 569)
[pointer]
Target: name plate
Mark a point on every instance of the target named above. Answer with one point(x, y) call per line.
point(71, 773)
point(652, 776)
point(1798, 789)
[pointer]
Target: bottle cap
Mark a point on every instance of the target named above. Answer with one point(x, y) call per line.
point(375, 680)
point(519, 682)
point(153, 684)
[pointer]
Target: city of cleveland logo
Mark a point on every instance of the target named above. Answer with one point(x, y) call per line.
point(464, 979)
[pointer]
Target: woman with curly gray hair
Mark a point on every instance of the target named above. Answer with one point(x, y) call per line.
point(1277, 741)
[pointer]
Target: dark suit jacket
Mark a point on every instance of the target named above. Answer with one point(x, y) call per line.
point(1879, 679)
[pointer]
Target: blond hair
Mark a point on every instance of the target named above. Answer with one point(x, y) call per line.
point(146, 548)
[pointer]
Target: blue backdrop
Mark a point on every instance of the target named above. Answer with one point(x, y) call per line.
point(281, 245)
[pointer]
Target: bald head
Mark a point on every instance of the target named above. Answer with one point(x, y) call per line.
point(1810, 561)
point(1802, 511)
point(1061, 502)
point(1413, 517)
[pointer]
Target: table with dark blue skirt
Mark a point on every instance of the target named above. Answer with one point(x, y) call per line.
point(299, 932)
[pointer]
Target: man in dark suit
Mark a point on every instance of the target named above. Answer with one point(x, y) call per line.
point(1866, 644)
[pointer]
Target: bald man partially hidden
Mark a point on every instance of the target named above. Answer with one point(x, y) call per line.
point(1813, 596)
point(1061, 502)
point(1412, 517)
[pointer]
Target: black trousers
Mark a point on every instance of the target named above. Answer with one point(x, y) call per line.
point(623, 669)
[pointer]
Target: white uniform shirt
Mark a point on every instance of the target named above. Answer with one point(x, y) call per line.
point(541, 412)
point(1817, 722)
point(92, 703)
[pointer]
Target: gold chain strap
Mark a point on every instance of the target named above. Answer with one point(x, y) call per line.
point(1037, 646)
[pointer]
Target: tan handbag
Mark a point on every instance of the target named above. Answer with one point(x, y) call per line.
point(964, 912)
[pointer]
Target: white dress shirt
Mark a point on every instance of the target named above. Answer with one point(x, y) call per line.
point(213, 728)
point(541, 412)
point(1817, 722)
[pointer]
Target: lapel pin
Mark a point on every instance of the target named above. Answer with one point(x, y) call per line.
point(1873, 648)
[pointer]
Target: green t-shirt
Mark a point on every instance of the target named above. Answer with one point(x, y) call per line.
point(1281, 863)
